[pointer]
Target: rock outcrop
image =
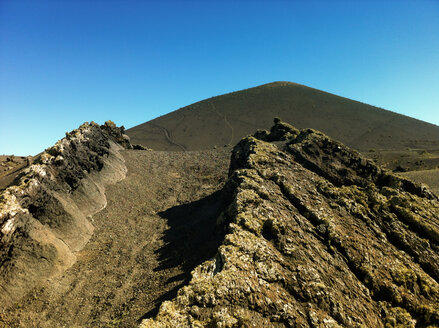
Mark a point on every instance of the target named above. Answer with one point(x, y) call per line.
point(44, 215)
point(317, 236)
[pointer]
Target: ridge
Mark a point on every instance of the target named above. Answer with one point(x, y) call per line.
point(44, 214)
point(316, 236)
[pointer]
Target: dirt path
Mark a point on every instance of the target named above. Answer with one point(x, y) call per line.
point(146, 242)
point(168, 136)
point(226, 122)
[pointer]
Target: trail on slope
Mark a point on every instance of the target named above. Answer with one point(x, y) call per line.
point(158, 225)
point(168, 136)
point(227, 123)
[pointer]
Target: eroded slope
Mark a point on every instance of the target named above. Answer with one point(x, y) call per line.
point(44, 214)
point(318, 236)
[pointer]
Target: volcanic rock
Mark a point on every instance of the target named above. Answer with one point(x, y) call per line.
point(316, 236)
point(44, 215)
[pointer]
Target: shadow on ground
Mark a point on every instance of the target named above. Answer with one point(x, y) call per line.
point(192, 238)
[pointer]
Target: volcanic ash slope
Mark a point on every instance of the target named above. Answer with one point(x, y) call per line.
point(317, 236)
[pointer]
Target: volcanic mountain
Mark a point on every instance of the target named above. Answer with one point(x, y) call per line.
point(227, 118)
point(396, 141)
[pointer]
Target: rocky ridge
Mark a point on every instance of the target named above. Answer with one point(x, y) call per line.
point(316, 236)
point(44, 214)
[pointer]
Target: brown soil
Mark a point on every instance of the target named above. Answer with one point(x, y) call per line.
point(406, 160)
point(158, 225)
point(429, 177)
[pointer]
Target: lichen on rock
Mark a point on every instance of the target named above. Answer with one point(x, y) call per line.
point(317, 236)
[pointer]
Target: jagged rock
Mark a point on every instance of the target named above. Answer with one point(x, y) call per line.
point(317, 236)
point(43, 216)
point(400, 168)
point(279, 132)
point(117, 134)
point(140, 147)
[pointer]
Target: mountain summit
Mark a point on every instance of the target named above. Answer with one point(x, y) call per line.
point(227, 118)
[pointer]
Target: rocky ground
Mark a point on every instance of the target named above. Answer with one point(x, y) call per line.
point(293, 229)
point(158, 225)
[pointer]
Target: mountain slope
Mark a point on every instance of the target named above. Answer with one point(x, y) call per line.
point(227, 118)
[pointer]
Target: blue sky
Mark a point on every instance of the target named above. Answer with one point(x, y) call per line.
point(66, 62)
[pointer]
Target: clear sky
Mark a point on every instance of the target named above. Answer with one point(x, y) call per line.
point(66, 62)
